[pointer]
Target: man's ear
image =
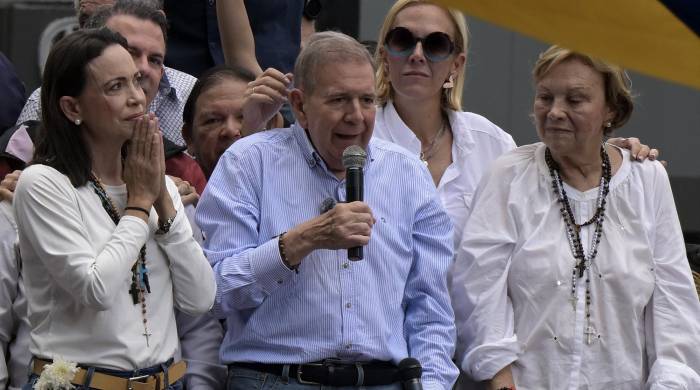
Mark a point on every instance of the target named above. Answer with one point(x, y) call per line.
point(296, 100)
point(70, 107)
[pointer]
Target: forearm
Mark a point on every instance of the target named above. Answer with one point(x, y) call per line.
point(236, 35)
point(164, 205)
point(193, 279)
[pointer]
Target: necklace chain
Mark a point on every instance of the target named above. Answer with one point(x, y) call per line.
point(583, 261)
point(139, 273)
point(434, 146)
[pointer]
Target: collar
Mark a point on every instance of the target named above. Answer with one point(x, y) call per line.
point(310, 154)
point(164, 87)
point(401, 134)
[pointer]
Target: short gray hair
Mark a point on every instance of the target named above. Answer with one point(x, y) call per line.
point(326, 47)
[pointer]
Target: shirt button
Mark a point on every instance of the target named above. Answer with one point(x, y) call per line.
point(346, 265)
point(348, 305)
point(279, 282)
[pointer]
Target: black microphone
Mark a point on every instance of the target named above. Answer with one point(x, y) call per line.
point(354, 158)
point(410, 373)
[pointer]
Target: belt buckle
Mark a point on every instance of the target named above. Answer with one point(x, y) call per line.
point(135, 379)
point(300, 373)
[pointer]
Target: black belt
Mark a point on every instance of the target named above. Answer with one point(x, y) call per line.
point(332, 372)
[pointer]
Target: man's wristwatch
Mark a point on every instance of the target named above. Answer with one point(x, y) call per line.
point(164, 226)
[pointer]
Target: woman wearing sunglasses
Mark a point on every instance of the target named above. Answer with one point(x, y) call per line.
point(420, 60)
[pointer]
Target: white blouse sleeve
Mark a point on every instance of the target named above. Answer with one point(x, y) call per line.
point(194, 286)
point(486, 342)
point(49, 220)
point(673, 314)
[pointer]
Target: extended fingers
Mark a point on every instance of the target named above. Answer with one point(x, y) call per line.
point(153, 138)
point(140, 138)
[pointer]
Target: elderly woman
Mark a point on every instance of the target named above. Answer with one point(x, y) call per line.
point(572, 271)
point(107, 251)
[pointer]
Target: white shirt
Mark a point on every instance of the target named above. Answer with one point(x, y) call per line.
point(512, 283)
point(77, 269)
point(476, 143)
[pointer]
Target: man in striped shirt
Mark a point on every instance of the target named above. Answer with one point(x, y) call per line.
point(297, 310)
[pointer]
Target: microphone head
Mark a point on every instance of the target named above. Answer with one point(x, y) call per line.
point(410, 368)
point(354, 157)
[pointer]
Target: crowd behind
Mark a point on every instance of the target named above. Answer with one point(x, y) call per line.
point(187, 226)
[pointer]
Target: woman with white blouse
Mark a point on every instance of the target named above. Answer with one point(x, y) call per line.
point(572, 271)
point(420, 59)
point(107, 251)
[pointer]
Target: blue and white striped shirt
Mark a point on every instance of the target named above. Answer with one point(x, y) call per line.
point(390, 305)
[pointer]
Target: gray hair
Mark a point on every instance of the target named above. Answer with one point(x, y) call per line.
point(323, 48)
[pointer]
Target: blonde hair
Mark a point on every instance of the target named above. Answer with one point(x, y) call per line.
point(617, 84)
point(451, 98)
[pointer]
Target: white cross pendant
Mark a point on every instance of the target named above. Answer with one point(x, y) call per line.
point(590, 331)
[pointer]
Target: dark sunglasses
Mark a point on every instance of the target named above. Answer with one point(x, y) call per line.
point(401, 42)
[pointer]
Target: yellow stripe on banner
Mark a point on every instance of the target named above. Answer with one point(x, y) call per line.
point(641, 35)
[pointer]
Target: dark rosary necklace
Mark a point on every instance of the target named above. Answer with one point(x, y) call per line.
point(139, 273)
point(583, 261)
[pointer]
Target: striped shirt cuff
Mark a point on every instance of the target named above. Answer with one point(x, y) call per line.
point(268, 268)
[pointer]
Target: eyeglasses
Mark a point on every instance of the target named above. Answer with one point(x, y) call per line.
point(401, 42)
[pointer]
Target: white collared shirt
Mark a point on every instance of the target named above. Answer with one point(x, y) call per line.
point(512, 283)
point(476, 143)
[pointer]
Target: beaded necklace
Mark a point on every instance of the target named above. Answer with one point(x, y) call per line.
point(139, 272)
point(573, 230)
